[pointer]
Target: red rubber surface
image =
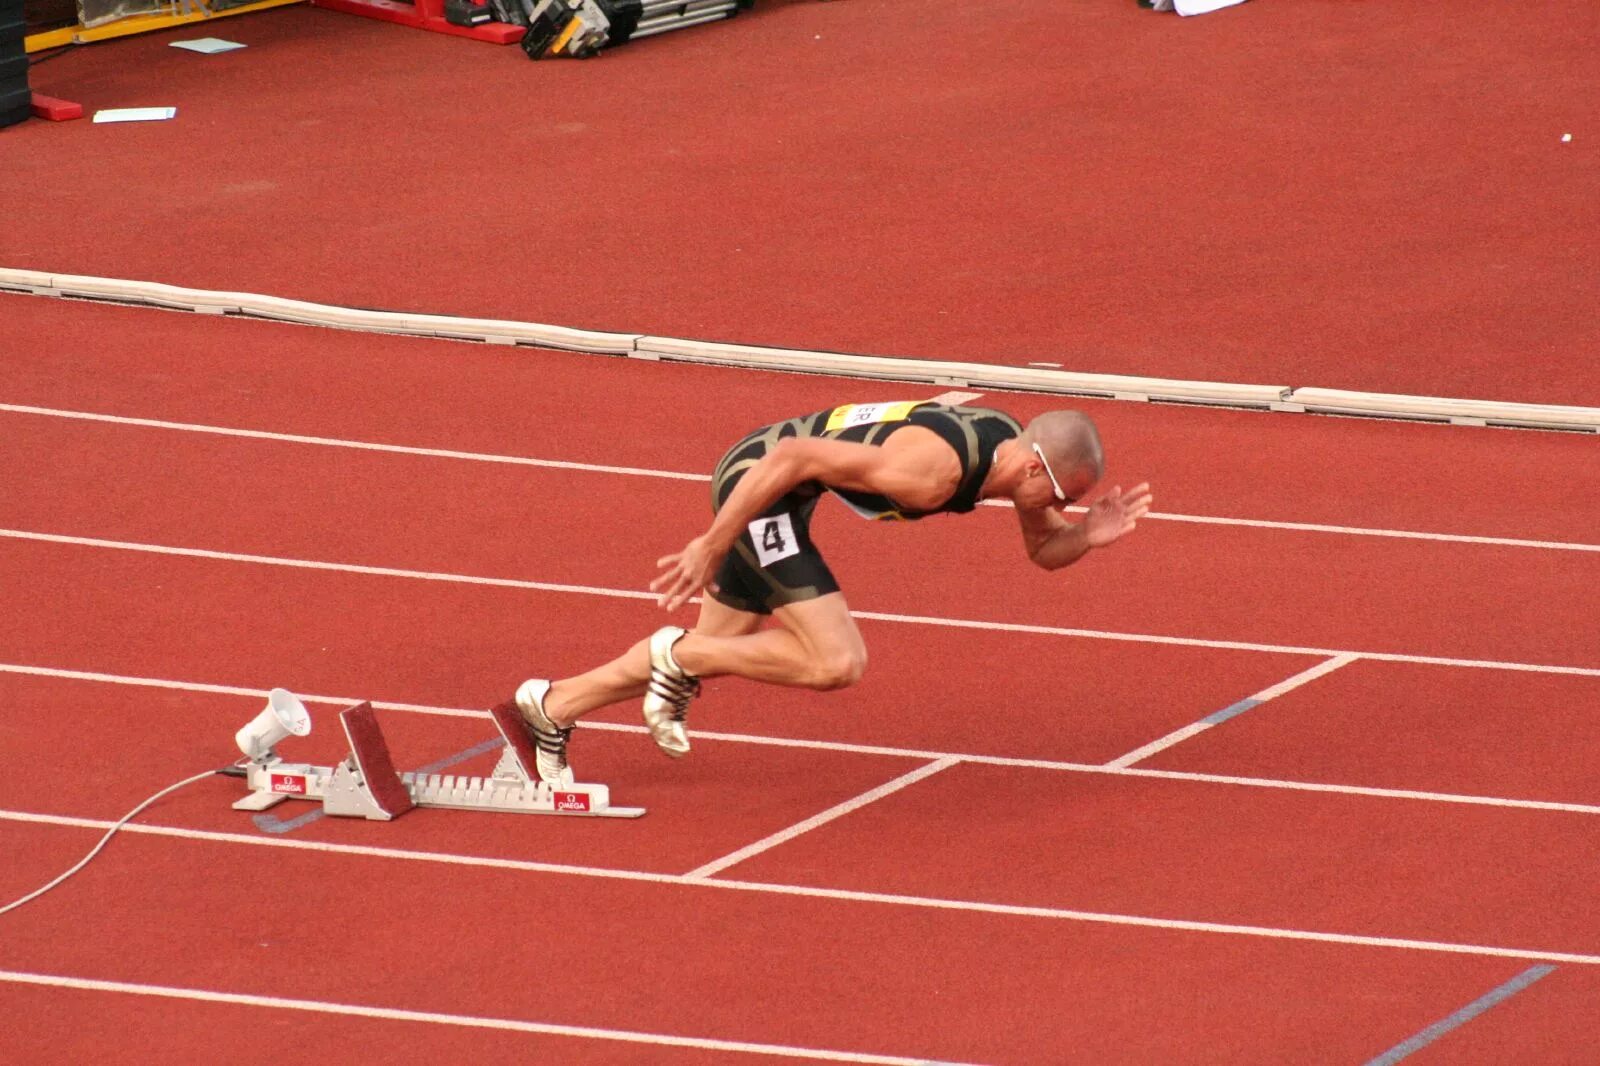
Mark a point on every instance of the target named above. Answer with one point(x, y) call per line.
point(1040, 246)
point(1350, 864)
point(1553, 1026)
point(1276, 587)
point(1367, 195)
point(746, 791)
point(400, 390)
point(931, 983)
point(1425, 727)
point(195, 620)
point(67, 1027)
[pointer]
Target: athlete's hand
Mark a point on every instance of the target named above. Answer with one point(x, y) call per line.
point(685, 573)
point(1114, 515)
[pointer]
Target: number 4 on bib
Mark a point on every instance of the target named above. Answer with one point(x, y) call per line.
point(774, 538)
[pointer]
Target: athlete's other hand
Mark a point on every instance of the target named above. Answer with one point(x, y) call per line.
point(685, 573)
point(1114, 515)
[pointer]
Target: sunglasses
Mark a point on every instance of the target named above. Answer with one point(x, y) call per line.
point(1051, 474)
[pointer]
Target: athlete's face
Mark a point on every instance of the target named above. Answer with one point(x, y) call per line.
point(1077, 485)
point(1038, 489)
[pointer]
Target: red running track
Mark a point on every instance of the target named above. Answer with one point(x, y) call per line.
point(606, 933)
point(1370, 196)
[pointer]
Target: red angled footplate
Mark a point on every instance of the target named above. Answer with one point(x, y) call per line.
point(509, 721)
point(371, 754)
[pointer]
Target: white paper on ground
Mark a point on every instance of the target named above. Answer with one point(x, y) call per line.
point(135, 114)
point(1201, 7)
point(208, 45)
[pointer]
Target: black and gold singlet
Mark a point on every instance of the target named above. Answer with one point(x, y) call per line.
point(774, 561)
point(974, 433)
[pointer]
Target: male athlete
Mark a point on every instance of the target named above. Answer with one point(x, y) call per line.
point(894, 461)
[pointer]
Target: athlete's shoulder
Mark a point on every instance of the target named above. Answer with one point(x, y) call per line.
point(988, 420)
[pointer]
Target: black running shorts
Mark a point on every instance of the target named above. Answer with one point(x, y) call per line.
point(774, 562)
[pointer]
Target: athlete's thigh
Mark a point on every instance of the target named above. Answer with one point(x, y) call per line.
point(823, 624)
point(717, 619)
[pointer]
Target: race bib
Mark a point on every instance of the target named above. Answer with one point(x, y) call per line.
point(860, 414)
point(774, 538)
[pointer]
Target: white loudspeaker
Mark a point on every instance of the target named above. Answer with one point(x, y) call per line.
point(283, 715)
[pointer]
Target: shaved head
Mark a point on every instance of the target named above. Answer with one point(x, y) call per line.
point(1068, 440)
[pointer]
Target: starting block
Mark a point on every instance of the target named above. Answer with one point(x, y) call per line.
point(366, 784)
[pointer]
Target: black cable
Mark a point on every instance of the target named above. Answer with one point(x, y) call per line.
point(46, 56)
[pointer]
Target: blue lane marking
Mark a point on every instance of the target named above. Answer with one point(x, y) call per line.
point(1462, 1016)
point(462, 756)
point(268, 823)
point(1218, 717)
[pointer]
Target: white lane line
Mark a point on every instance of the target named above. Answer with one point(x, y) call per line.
point(837, 811)
point(333, 442)
point(1289, 684)
point(1355, 790)
point(233, 690)
point(1403, 534)
point(1198, 777)
point(877, 616)
point(811, 892)
point(634, 471)
point(1177, 736)
point(1223, 645)
point(858, 749)
point(312, 564)
point(464, 1020)
point(1353, 531)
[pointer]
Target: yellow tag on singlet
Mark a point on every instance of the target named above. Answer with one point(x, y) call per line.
point(860, 414)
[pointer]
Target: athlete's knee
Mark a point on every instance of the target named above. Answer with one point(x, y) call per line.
point(839, 669)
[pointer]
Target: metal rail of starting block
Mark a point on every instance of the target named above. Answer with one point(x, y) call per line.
point(366, 784)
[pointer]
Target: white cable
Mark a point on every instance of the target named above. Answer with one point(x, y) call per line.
point(124, 820)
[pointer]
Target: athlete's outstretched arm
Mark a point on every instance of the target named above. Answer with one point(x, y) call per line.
point(913, 467)
point(1053, 542)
